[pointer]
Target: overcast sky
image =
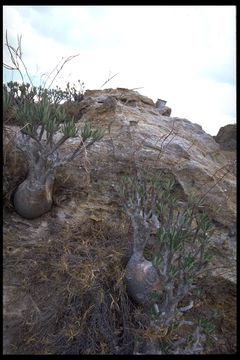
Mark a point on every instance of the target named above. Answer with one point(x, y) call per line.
point(183, 54)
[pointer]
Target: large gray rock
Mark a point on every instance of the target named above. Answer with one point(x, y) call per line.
point(140, 134)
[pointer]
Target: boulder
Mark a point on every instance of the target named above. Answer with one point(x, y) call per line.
point(227, 137)
point(162, 108)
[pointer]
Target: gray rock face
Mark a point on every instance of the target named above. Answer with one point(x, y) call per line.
point(227, 137)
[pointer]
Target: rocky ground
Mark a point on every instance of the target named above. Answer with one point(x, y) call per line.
point(63, 289)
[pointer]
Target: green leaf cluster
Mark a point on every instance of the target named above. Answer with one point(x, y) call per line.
point(40, 116)
point(46, 115)
point(88, 132)
point(69, 127)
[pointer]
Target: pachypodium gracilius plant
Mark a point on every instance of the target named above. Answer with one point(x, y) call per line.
point(44, 128)
point(42, 122)
point(179, 231)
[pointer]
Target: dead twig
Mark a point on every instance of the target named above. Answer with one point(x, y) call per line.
point(108, 80)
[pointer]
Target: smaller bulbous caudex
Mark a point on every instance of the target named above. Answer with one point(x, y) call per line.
point(141, 277)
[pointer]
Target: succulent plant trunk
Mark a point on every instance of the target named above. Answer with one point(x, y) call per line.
point(33, 197)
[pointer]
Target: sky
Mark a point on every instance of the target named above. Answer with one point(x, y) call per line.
point(185, 55)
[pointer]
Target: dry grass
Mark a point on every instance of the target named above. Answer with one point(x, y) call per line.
point(79, 303)
point(76, 283)
point(217, 304)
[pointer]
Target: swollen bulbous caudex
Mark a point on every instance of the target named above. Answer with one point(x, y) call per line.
point(33, 201)
point(141, 276)
point(141, 279)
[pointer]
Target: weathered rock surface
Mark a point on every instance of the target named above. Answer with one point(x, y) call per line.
point(139, 133)
point(227, 137)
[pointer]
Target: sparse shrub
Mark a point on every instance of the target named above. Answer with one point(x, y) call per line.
point(73, 94)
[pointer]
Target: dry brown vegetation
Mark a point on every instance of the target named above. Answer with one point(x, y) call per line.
point(76, 282)
point(78, 301)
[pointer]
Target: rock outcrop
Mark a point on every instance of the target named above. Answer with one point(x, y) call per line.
point(227, 137)
point(136, 132)
point(162, 108)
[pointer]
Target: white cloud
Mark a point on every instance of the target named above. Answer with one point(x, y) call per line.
point(183, 54)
